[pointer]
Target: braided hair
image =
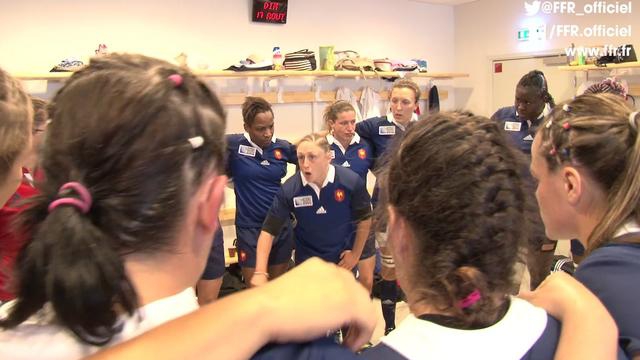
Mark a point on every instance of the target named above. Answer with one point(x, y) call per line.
point(458, 184)
point(600, 133)
point(536, 79)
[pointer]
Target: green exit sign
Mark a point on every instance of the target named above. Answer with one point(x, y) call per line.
point(523, 35)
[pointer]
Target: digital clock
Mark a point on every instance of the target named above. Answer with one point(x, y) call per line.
point(270, 11)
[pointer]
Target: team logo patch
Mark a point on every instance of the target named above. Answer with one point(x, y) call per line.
point(339, 195)
point(277, 153)
point(302, 201)
point(512, 126)
point(247, 150)
point(243, 256)
point(387, 130)
point(362, 154)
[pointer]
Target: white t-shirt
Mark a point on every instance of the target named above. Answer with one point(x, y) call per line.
point(509, 338)
point(40, 338)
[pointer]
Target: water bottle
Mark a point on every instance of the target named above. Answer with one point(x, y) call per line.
point(278, 61)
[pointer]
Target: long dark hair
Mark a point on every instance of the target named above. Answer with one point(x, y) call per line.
point(121, 128)
point(458, 183)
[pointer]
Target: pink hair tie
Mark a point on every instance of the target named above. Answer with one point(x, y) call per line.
point(83, 204)
point(176, 79)
point(471, 299)
point(553, 151)
point(566, 126)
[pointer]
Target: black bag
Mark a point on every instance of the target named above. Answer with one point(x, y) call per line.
point(300, 60)
point(232, 281)
point(623, 54)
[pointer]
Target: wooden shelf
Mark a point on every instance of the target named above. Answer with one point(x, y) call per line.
point(274, 74)
point(320, 73)
point(296, 97)
point(287, 97)
point(628, 65)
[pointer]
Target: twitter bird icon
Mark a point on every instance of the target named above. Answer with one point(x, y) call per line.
point(533, 8)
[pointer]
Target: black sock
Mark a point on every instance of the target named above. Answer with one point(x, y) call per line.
point(388, 298)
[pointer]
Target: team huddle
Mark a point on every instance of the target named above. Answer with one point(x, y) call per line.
point(121, 222)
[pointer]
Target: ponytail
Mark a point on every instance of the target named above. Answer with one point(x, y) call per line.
point(69, 264)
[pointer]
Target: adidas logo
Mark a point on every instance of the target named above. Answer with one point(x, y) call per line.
point(265, 163)
point(346, 164)
point(321, 210)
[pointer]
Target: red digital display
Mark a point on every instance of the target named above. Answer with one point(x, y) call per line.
point(274, 11)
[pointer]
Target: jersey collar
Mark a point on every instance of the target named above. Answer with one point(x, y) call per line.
point(414, 117)
point(331, 177)
point(258, 148)
point(628, 228)
point(332, 140)
point(545, 112)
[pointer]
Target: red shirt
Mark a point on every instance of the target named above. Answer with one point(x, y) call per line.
point(11, 242)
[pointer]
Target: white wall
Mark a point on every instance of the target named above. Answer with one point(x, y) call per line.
point(37, 34)
point(488, 28)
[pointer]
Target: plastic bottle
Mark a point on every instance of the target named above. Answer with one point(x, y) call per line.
point(277, 59)
point(571, 55)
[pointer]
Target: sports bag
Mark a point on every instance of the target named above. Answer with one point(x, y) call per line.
point(300, 60)
point(351, 60)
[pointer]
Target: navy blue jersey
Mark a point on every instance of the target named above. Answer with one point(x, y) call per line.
point(326, 223)
point(256, 175)
point(519, 130)
point(319, 349)
point(379, 132)
point(611, 272)
point(357, 157)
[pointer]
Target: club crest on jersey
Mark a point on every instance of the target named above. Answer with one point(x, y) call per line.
point(302, 201)
point(362, 154)
point(277, 153)
point(247, 150)
point(387, 130)
point(339, 195)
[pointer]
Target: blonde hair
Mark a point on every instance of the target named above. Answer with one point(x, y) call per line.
point(15, 122)
point(598, 133)
point(406, 84)
point(318, 138)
